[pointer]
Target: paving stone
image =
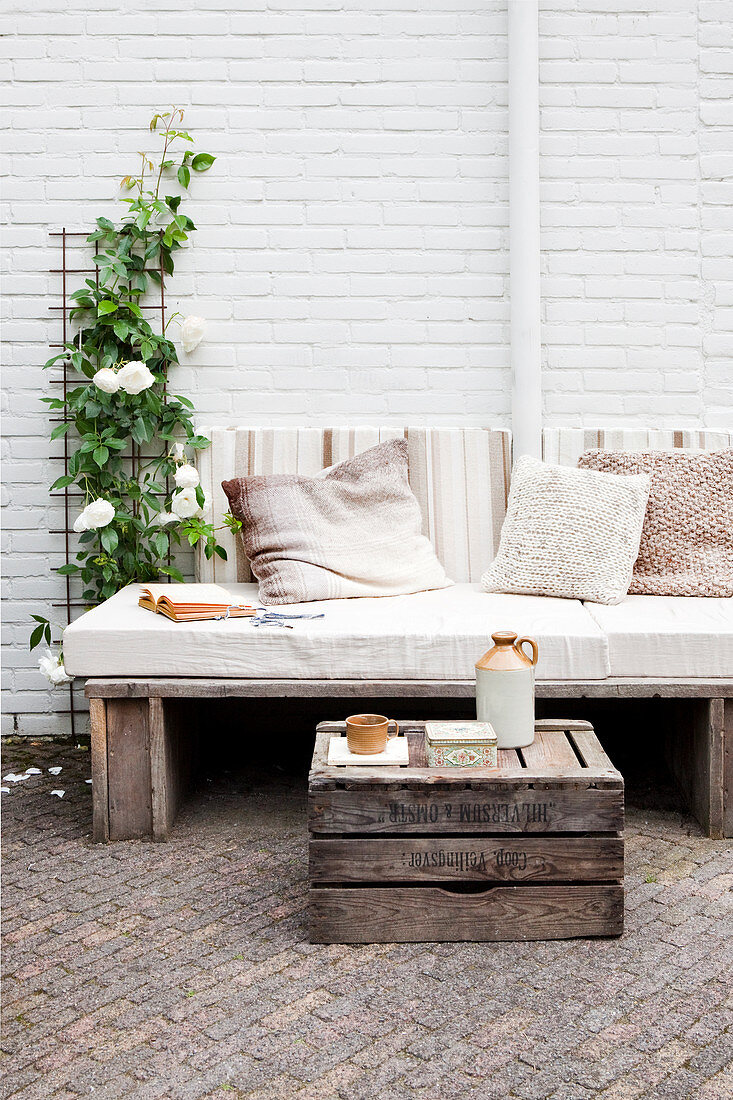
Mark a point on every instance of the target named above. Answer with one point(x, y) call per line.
point(138, 971)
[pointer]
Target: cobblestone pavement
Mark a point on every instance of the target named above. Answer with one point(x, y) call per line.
point(182, 970)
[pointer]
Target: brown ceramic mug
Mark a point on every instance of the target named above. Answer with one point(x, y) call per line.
point(368, 733)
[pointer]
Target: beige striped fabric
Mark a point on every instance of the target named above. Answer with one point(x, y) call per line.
point(564, 446)
point(460, 477)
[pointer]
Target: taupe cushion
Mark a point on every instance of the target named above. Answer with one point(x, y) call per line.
point(355, 531)
point(686, 546)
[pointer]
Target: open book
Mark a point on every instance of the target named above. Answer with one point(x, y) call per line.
point(186, 602)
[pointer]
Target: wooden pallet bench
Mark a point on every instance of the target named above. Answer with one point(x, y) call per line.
point(531, 850)
point(143, 737)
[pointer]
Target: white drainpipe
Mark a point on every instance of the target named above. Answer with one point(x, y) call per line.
point(524, 226)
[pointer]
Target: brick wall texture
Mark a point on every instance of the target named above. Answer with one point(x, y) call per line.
point(352, 249)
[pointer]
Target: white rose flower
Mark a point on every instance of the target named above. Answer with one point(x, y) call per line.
point(187, 477)
point(106, 380)
point(205, 508)
point(135, 377)
point(98, 514)
point(53, 669)
point(178, 452)
point(164, 518)
point(80, 523)
point(184, 503)
point(192, 332)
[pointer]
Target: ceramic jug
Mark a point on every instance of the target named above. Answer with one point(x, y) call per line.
point(505, 689)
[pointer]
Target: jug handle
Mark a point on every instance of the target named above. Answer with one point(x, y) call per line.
point(530, 641)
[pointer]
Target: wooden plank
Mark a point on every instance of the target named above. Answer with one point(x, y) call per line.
point(591, 750)
point(728, 768)
point(466, 811)
point(100, 789)
point(551, 751)
point(418, 748)
point(162, 795)
point(128, 769)
point(562, 724)
point(695, 757)
point(416, 914)
point(213, 687)
point(479, 859)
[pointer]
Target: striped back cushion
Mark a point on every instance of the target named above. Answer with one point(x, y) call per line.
point(460, 477)
point(564, 446)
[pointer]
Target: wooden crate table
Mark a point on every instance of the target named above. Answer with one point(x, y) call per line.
point(531, 850)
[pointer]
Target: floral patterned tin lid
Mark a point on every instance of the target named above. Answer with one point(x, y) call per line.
point(460, 733)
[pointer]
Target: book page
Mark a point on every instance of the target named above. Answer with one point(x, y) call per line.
point(189, 593)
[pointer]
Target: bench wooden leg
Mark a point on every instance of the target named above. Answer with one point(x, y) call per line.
point(141, 765)
point(728, 767)
point(100, 795)
point(696, 755)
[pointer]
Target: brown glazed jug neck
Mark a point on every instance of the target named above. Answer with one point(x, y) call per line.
point(505, 655)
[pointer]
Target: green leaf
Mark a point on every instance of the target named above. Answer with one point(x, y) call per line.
point(105, 223)
point(171, 571)
point(61, 429)
point(68, 570)
point(106, 307)
point(140, 431)
point(62, 482)
point(202, 161)
point(184, 176)
point(109, 539)
point(100, 456)
point(173, 201)
point(199, 442)
point(36, 637)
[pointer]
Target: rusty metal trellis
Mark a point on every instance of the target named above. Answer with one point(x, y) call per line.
point(69, 377)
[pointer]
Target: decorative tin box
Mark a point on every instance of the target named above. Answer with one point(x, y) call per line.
point(460, 745)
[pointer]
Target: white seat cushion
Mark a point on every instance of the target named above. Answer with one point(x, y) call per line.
point(436, 635)
point(683, 637)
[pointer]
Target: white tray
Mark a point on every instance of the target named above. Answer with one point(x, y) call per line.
point(397, 752)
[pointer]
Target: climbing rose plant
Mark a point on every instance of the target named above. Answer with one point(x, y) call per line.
point(129, 520)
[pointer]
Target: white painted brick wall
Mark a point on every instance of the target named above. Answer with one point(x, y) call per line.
point(351, 254)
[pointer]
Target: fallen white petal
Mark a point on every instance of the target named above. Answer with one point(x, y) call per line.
point(59, 793)
point(87, 780)
point(54, 771)
point(32, 771)
point(13, 778)
point(5, 790)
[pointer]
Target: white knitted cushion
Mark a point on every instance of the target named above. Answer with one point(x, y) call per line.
point(570, 533)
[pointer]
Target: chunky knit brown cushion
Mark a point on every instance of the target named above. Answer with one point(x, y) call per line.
point(686, 544)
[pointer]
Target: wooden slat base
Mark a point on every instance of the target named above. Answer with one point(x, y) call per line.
point(420, 914)
point(626, 687)
point(141, 755)
point(467, 859)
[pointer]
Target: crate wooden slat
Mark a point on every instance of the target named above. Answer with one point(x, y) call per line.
point(532, 849)
point(467, 859)
point(403, 914)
